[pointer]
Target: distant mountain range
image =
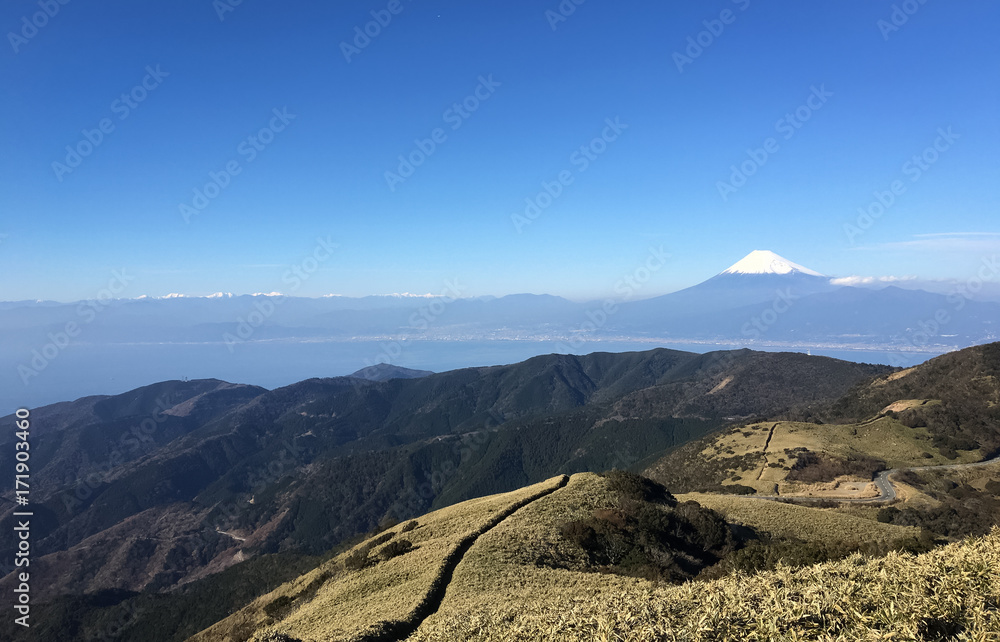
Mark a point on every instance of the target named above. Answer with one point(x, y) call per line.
point(763, 300)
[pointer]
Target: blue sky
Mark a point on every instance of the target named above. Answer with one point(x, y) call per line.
point(875, 94)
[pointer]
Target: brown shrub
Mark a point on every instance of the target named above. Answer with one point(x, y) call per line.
point(395, 549)
point(811, 467)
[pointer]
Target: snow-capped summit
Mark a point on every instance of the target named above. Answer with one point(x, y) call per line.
point(767, 262)
point(757, 279)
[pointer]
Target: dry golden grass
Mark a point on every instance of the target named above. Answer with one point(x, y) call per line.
point(893, 377)
point(883, 438)
point(906, 404)
point(505, 587)
point(804, 522)
point(350, 602)
point(977, 477)
point(504, 563)
point(503, 566)
point(910, 497)
point(938, 595)
point(763, 487)
point(739, 442)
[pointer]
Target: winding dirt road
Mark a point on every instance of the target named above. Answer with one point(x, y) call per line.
point(887, 492)
point(883, 481)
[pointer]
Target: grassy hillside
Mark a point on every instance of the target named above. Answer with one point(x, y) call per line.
point(244, 473)
point(945, 411)
point(796, 458)
point(966, 383)
point(378, 583)
point(528, 567)
point(589, 562)
point(806, 523)
point(528, 576)
point(345, 599)
point(937, 595)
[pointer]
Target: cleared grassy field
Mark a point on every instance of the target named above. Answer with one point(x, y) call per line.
point(948, 592)
point(334, 602)
point(804, 522)
point(883, 438)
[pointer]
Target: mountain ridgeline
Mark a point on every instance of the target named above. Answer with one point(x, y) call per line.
point(173, 482)
point(153, 506)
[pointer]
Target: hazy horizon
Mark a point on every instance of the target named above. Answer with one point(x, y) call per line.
point(552, 147)
point(988, 291)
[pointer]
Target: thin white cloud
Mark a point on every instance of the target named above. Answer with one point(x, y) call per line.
point(945, 242)
point(989, 291)
point(954, 234)
point(854, 281)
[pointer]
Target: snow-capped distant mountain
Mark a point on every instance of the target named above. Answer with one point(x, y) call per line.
point(767, 262)
point(762, 298)
point(765, 296)
point(759, 277)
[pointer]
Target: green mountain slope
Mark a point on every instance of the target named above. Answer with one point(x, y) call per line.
point(967, 384)
point(236, 471)
point(944, 411)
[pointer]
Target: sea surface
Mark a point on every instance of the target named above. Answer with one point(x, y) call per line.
point(86, 369)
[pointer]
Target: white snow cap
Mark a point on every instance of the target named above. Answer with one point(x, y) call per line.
point(767, 262)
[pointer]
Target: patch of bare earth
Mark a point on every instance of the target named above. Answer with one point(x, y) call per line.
point(894, 376)
point(722, 384)
point(844, 487)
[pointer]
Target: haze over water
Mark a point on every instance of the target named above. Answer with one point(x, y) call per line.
point(115, 368)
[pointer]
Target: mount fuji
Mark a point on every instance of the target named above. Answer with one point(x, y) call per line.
point(767, 262)
point(765, 296)
point(756, 278)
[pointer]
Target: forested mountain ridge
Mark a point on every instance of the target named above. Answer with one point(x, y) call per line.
point(946, 410)
point(966, 382)
point(238, 471)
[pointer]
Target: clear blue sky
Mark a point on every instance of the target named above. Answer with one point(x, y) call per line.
point(324, 174)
